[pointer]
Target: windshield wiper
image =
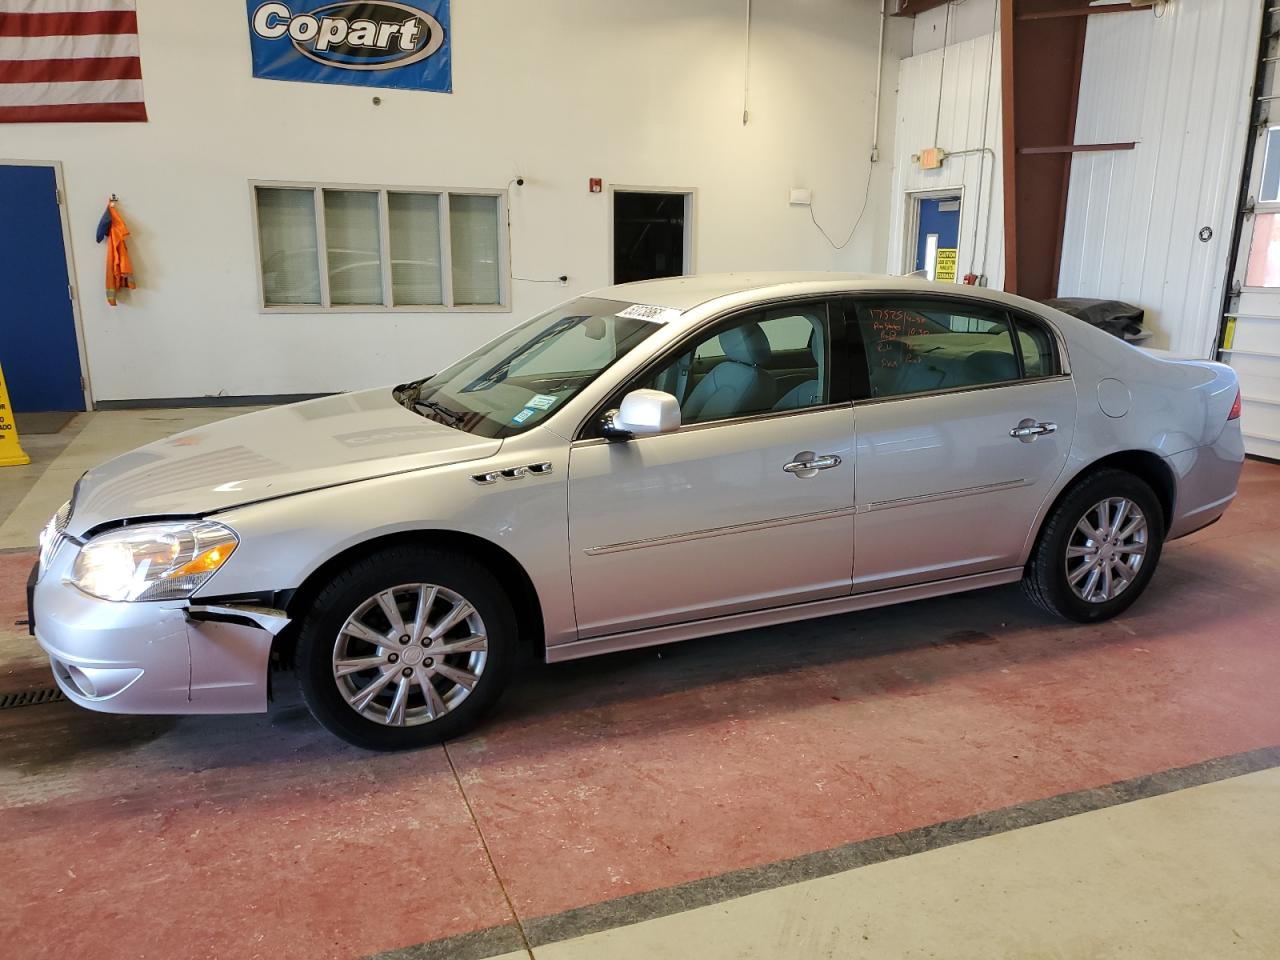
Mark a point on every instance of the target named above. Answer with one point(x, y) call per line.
point(452, 416)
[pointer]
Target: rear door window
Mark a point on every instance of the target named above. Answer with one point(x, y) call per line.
point(924, 346)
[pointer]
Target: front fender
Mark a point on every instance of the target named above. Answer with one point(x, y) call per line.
point(284, 541)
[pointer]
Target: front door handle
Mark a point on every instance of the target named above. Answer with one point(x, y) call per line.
point(1028, 429)
point(807, 464)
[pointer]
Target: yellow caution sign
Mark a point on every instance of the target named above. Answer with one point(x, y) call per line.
point(11, 454)
point(946, 265)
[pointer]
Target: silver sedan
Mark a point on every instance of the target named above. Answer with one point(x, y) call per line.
point(654, 462)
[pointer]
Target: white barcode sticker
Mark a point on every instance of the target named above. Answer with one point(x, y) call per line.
point(644, 311)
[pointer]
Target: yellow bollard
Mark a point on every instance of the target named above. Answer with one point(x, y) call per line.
point(11, 454)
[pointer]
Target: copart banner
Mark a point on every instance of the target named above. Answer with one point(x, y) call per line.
point(370, 43)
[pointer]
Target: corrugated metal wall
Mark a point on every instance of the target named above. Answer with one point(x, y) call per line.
point(1179, 85)
point(970, 73)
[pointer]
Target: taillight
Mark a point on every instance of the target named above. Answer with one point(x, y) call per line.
point(1235, 408)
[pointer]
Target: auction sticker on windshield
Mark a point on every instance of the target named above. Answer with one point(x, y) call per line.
point(644, 311)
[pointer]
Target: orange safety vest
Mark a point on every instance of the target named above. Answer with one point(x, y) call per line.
point(119, 267)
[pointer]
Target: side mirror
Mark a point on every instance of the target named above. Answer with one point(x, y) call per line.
point(643, 413)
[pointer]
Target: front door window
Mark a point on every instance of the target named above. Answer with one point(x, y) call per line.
point(764, 361)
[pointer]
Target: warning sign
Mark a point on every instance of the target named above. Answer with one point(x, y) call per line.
point(946, 266)
point(11, 454)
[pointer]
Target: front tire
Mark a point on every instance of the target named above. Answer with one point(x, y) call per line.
point(405, 648)
point(1098, 548)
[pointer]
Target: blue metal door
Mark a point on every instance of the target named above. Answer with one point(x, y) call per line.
point(940, 217)
point(38, 350)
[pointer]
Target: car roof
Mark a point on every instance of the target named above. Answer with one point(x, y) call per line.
point(681, 293)
point(684, 293)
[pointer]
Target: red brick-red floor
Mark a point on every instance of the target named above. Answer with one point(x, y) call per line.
point(247, 837)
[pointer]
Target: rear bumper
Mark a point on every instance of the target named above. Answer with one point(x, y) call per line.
point(145, 657)
point(1207, 478)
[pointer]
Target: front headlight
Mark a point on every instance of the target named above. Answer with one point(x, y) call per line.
point(153, 561)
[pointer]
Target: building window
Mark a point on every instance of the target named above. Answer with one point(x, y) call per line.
point(362, 248)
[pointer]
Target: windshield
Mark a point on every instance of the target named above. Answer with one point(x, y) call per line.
point(521, 378)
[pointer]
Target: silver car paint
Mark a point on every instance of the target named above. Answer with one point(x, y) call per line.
point(944, 491)
point(268, 454)
point(705, 522)
point(300, 492)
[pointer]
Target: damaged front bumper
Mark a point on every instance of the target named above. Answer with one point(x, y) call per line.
point(156, 657)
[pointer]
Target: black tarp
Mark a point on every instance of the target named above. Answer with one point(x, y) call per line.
point(1117, 318)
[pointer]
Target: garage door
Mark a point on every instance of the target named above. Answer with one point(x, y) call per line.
point(1251, 337)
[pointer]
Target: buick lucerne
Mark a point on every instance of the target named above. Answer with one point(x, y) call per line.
point(654, 462)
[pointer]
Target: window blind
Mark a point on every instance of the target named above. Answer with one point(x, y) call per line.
point(414, 223)
point(287, 246)
point(473, 228)
point(354, 248)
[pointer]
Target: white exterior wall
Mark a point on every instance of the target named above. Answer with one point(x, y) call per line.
point(1179, 85)
point(559, 91)
point(968, 80)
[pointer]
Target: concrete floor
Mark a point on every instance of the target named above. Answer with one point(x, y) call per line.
point(955, 778)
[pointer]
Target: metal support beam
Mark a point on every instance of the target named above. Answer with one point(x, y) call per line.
point(1078, 12)
point(1080, 148)
point(910, 8)
point(1041, 58)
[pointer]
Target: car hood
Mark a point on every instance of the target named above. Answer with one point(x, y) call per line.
point(272, 453)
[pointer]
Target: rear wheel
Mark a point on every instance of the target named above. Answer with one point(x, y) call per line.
point(1098, 548)
point(405, 648)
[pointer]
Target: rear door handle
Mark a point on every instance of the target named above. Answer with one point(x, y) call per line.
point(807, 464)
point(1028, 429)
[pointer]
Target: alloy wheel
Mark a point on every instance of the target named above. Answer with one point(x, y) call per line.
point(410, 654)
point(1106, 550)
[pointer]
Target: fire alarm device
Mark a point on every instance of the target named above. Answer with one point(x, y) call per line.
point(595, 184)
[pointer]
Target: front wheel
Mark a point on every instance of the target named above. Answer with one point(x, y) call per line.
point(1098, 548)
point(407, 647)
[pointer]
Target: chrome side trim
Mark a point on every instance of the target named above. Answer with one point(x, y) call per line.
point(653, 636)
point(727, 422)
point(944, 495)
point(272, 621)
point(513, 473)
point(970, 388)
point(716, 532)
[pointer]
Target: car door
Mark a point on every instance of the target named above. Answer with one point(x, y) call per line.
point(748, 505)
point(960, 436)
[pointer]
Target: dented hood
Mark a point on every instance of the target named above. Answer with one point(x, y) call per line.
point(272, 453)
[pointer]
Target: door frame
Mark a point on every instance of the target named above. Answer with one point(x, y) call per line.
point(911, 235)
point(77, 317)
point(690, 195)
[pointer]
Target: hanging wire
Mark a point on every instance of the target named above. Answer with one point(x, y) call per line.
point(746, 69)
point(871, 164)
point(866, 195)
point(986, 115)
point(518, 181)
point(942, 75)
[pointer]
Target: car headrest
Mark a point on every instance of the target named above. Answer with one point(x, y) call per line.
point(991, 366)
point(746, 344)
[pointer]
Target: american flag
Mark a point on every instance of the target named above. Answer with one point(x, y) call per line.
point(69, 60)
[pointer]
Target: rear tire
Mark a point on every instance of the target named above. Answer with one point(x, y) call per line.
point(407, 647)
point(1088, 567)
